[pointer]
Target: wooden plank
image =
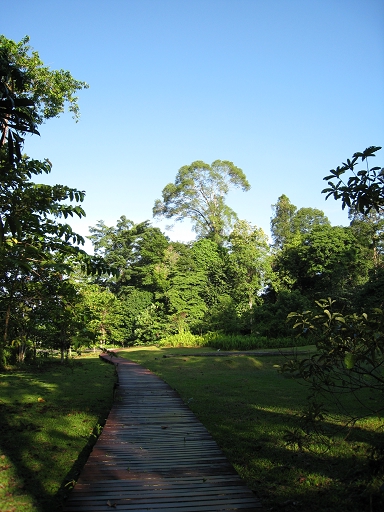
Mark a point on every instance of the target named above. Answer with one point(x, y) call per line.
point(153, 454)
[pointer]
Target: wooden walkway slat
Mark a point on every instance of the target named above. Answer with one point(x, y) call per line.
point(153, 454)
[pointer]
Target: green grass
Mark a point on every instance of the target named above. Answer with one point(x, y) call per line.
point(248, 406)
point(48, 420)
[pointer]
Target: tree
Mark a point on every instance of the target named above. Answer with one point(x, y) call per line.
point(325, 261)
point(306, 219)
point(35, 245)
point(369, 230)
point(16, 114)
point(288, 221)
point(281, 222)
point(30, 93)
point(364, 190)
point(349, 361)
point(249, 265)
point(133, 250)
point(56, 313)
point(195, 282)
point(30, 235)
point(199, 194)
point(131, 308)
point(211, 259)
point(103, 314)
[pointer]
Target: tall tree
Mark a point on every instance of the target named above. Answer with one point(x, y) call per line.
point(281, 222)
point(306, 219)
point(35, 244)
point(289, 221)
point(132, 250)
point(196, 282)
point(30, 93)
point(199, 194)
point(326, 261)
point(249, 263)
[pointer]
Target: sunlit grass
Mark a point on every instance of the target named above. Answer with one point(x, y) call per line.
point(248, 406)
point(47, 423)
point(47, 420)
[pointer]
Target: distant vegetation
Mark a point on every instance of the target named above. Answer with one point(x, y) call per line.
point(141, 287)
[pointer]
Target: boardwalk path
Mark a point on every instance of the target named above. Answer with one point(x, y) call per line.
point(153, 454)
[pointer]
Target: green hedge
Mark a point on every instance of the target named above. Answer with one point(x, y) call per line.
point(240, 342)
point(223, 341)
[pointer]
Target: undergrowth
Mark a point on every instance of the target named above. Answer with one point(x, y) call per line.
point(222, 341)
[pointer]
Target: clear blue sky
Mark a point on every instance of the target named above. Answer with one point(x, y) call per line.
point(285, 89)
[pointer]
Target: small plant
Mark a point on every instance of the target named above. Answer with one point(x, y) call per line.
point(71, 484)
point(97, 430)
point(296, 438)
point(350, 354)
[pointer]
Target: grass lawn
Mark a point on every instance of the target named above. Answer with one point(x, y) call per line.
point(48, 420)
point(247, 406)
point(49, 417)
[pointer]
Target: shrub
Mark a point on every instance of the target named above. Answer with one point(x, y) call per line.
point(223, 341)
point(270, 319)
point(185, 339)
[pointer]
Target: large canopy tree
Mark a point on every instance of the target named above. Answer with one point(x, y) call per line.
point(199, 194)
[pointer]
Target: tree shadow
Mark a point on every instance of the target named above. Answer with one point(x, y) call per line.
point(249, 414)
point(32, 442)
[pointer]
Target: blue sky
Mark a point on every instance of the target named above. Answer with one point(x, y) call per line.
point(285, 89)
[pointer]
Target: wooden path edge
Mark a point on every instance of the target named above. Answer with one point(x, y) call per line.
point(154, 454)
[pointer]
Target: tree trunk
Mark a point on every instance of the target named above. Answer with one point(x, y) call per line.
point(6, 327)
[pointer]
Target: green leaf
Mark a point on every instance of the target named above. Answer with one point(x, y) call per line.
point(349, 360)
point(328, 314)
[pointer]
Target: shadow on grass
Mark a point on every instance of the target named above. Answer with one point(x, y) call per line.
point(47, 424)
point(248, 407)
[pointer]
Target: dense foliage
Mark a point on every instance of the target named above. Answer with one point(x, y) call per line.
point(229, 281)
point(349, 335)
point(38, 248)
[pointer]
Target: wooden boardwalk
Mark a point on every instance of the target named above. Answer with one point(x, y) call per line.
point(153, 454)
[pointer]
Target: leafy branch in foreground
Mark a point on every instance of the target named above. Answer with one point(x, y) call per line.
point(349, 361)
point(30, 93)
point(364, 189)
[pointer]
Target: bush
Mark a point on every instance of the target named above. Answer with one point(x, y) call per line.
point(185, 339)
point(223, 341)
point(270, 319)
